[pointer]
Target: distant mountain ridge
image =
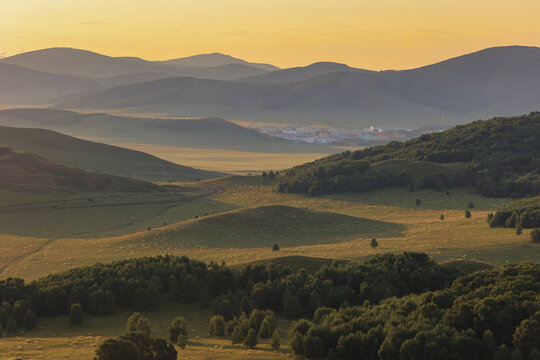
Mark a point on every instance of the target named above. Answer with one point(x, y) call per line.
point(217, 59)
point(497, 81)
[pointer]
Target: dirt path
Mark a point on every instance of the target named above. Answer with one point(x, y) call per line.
point(214, 191)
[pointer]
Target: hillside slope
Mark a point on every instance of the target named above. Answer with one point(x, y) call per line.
point(197, 133)
point(19, 85)
point(499, 157)
point(264, 226)
point(30, 172)
point(71, 151)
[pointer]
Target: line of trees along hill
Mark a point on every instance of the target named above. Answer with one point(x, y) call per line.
point(502, 157)
point(524, 214)
point(137, 283)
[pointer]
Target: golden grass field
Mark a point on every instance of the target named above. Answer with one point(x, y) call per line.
point(219, 233)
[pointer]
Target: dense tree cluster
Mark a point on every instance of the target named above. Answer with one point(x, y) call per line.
point(502, 156)
point(133, 283)
point(523, 214)
point(136, 344)
point(492, 314)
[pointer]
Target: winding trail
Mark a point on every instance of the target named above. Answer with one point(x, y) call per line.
point(214, 191)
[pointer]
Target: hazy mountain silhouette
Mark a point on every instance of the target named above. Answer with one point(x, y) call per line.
point(495, 81)
point(216, 59)
point(68, 61)
point(19, 85)
point(301, 73)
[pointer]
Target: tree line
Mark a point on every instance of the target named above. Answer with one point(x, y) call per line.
point(502, 157)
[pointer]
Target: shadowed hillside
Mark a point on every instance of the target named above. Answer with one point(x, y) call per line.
point(30, 172)
point(217, 59)
point(71, 151)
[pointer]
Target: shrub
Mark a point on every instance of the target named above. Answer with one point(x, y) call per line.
point(137, 323)
point(468, 214)
point(112, 349)
point(442, 217)
point(76, 314)
point(275, 247)
point(276, 340)
point(237, 335)
point(178, 327)
point(182, 341)
point(266, 330)
point(11, 326)
point(251, 339)
point(374, 243)
point(518, 230)
point(535, 236)
point(217, 325)
point(29, 320)
point(418, 201)
point(296, 343)
point(471, 205)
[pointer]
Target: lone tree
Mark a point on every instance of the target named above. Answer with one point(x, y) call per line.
point(251, 339)
point(535, 236)
point(76, 314)
point(29, 320)
point(374, 243)
point(275, 247)
point(266, 329)
point(11, 326)
point(471, 205)
point(468, 214)
point(276, 340)
point(237, 335)
point(217, 325)
point(418, 201)
point(442, 216)
point(178, 327)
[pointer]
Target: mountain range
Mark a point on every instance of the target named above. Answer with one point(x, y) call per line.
point(494, 81)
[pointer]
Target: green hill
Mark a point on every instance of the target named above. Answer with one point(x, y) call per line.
point(499, 157)
point(89, 155)
point(266, 225)
point(29, 172)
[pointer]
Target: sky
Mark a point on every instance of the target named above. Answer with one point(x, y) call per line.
point(374, 34)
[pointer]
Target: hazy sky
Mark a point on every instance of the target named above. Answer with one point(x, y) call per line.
point(374, 34)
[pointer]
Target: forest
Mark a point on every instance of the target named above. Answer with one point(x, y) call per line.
point(392, 306)
point(502, 158)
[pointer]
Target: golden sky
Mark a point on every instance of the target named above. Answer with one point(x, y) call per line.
point(374, 34)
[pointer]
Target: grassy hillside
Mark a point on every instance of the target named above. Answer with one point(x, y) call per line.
point(29, 172)
point(264, 226)
point(88, 155)
point(499, 157)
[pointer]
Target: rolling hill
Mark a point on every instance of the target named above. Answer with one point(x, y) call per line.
point(29, 172)
point(71, 151)
point(217, 59)
point(83, 63)
point(19, 85)
point(301, 73)
point(497, 81)
point(264, 226)
point(196, 133)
